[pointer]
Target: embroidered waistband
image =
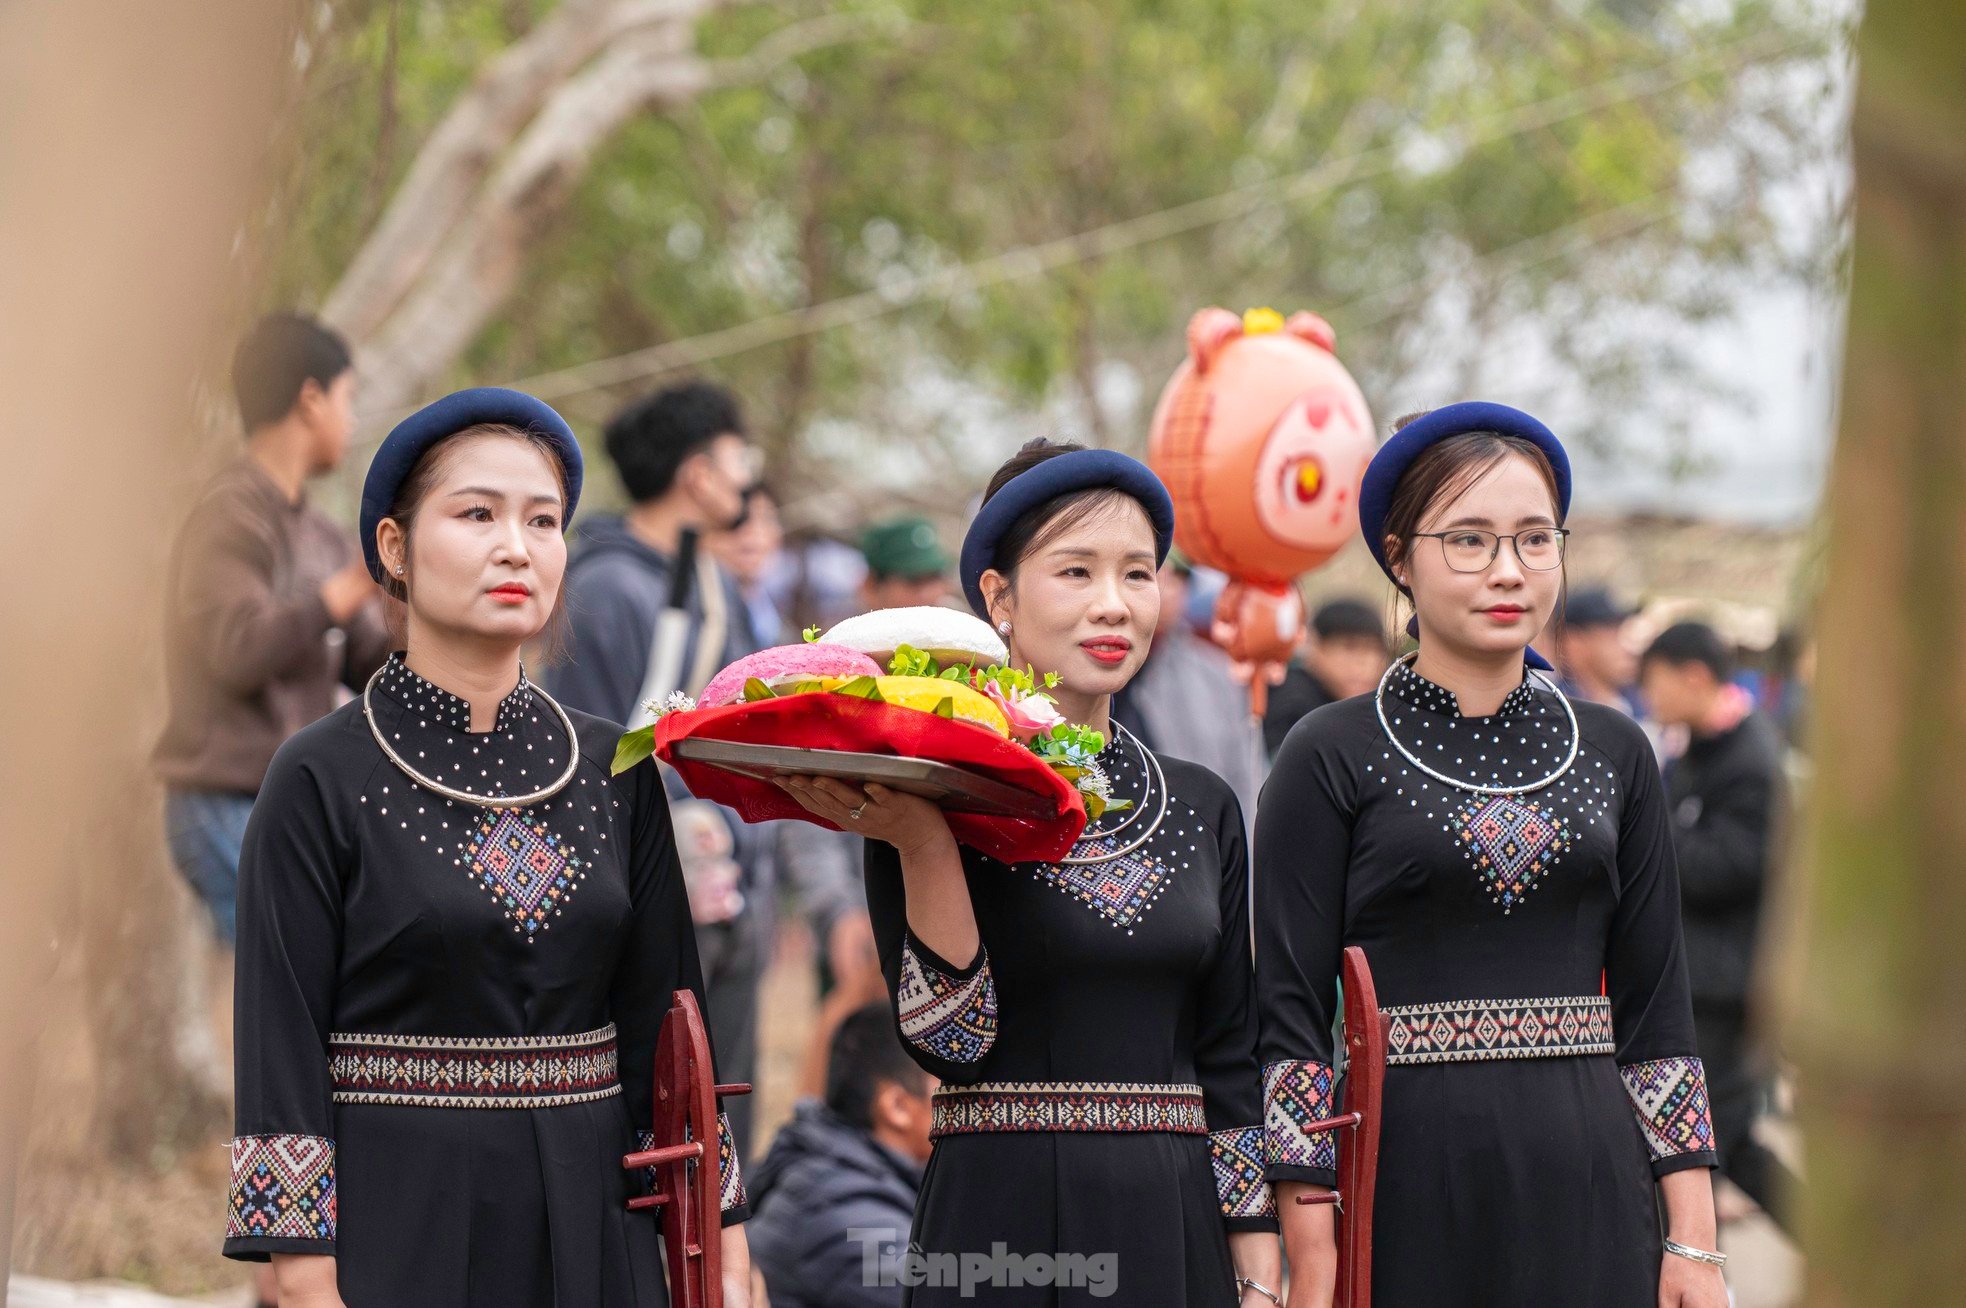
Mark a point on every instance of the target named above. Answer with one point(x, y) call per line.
point(473, 1072)
point(1476, 1030)
point(1067, 1106)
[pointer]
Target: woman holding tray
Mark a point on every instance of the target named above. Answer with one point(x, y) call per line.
point(1098, 1133)
point(1502, 855)
point(458, 934)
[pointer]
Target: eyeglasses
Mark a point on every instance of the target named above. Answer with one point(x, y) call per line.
point(1468, 549)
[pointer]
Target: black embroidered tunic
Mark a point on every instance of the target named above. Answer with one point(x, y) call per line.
point(1543, 1069)
point(1101, 1099)
point(447, 1014)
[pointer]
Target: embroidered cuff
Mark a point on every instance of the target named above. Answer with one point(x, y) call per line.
point(1238, 1159)
point(730, 1176)
point(947, 1016)
point(1670, 1097)
point(282, 1188)
point(1295, 1094)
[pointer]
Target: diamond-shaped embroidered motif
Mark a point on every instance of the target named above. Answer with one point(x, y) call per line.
point(1119, 891)
point(1511, 842)
point(523, 866)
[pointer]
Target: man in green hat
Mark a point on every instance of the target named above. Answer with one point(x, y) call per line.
point(906, 564)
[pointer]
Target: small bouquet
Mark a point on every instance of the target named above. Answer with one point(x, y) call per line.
point(928, 684)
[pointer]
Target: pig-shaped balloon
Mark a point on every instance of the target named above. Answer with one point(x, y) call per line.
point(1262, 438)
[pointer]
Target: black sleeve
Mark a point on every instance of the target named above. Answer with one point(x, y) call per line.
point(660, 959)
point(947, 1015)
point(290, 915)
point(1303, 847)
point(1225, 1047)
point(1645, 976)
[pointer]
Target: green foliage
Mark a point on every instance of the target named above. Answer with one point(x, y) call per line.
point(632, 748)
point(950, 131)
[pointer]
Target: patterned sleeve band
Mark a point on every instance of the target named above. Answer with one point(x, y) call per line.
point(1238, 1158)
point(730, 1173)
point(1670, 1097)
point(282, 1188)
point(946, 1016)
point(1295, 1094)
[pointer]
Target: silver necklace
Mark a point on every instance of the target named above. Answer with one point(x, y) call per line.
point(1139, 810)
point(1576, 736)
point(1156, 775)
point(466, 796)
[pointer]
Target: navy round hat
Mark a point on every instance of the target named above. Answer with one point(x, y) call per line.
point(1060, 475)
point(414, 435)
point(1375, 492)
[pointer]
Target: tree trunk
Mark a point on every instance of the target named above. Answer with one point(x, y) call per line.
point(131, 131)
point(1878, 1032)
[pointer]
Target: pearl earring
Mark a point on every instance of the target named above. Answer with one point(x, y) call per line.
point(1004, 627)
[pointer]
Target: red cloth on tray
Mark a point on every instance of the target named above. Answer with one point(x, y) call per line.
point(821, 720)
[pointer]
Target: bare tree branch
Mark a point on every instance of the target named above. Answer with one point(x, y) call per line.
point(480, 259)
point(461, 152)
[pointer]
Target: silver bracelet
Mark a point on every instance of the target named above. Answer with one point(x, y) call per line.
point(1706, 1256)
point(1251, 1283)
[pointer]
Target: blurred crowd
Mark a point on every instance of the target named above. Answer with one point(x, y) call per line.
point(274, 619)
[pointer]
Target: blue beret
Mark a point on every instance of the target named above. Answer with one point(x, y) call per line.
point(414, 435)
point(1060, 475)
point(1375, 493)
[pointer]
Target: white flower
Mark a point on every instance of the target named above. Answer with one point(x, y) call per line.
point(1094, 781)
point(676, 703)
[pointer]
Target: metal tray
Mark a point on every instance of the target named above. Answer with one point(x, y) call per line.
point(951, 787)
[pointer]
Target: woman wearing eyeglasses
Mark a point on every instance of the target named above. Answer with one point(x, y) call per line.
point(1502, 855)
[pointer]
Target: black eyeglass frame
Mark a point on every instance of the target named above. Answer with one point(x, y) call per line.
point(1496, 538)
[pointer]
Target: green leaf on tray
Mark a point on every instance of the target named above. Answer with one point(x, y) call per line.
point(861, 688)
point(633, 748)
point(945, 707)
point(755, 690)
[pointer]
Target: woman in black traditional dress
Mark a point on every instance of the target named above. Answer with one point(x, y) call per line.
point(1098, 1131)
point(1502, 855)
point(458, 934)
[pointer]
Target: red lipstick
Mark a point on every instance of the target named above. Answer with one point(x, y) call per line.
point(1110, 650)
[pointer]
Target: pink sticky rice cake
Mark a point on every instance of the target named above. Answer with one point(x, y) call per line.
point(783, 664)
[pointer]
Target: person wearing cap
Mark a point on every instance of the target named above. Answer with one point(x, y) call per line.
point(1344, 654)
point(1591, 652)
point(458, 931)
point(1092, 1021)
point(1503, 856)
point(906, 565)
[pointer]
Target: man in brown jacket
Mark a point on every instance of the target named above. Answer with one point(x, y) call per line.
point(271, 610)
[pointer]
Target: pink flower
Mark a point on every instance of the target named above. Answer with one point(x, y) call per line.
point(1029, 714)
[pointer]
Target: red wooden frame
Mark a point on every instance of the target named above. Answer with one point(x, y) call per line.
point(1358, 1162)
point(688, 1176)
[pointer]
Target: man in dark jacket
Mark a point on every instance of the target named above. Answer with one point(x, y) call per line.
point(1344, 654)
point(685, 461)
point(1726, 796)
point(836, 1195)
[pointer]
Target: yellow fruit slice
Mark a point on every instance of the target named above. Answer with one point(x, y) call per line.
point(925, 693)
